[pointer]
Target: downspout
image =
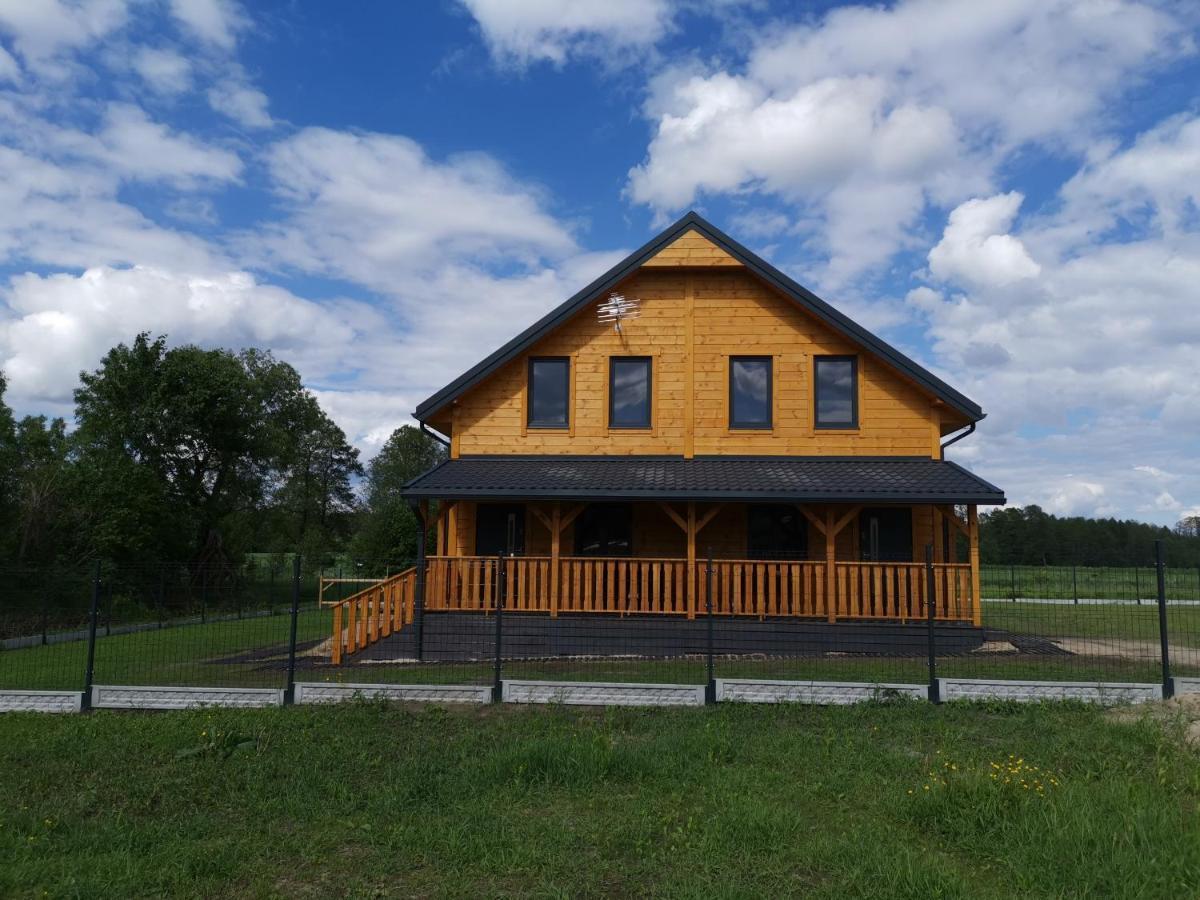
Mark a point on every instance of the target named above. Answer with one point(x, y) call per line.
point(958, 437)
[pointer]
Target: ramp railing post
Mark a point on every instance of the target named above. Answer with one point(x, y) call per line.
point(710, 689)
point(1168, 686)
point(930, 613)
point(89, 672)
point(289, 694)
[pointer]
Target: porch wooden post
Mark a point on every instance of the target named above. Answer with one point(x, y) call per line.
point(973, 544)
point(691, 549)
point(555, 535)
point(831, 598)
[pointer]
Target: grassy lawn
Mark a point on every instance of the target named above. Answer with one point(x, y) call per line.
point(366, 800)
point(1095, 582)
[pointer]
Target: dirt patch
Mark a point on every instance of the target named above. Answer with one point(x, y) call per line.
point(1118, 648)
point(1183, 710)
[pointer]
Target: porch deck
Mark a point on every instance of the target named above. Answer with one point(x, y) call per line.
point(785, 592)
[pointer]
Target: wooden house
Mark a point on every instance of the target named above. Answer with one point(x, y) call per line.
point(692, 403)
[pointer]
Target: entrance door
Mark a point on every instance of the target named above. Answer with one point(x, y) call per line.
point(497, 526)
point(885, 534)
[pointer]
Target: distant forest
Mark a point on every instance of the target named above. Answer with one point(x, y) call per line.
point(1030, 536)
point(187, 455)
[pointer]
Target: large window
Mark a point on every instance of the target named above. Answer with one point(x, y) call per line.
point(629, 384)
point(776, 532)
point(750, 392)
point(549, 391)
point(836, 380)
point(604, 529)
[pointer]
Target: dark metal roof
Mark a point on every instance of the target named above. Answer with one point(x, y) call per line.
point(803, 297)
point(791, 478)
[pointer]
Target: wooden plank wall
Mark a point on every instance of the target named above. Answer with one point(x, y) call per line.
point(733, 313)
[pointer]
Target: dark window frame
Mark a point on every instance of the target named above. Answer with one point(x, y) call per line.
point(769, 424)
point(852, 425)
point(529, 420)
point(612, 394)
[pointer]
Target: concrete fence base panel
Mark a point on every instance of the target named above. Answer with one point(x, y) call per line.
point(823, 693)
point(135, 697)
point(1104, 692)
point(603, 693)
point(319, 692)
point(41, 701)
point(1186, 685)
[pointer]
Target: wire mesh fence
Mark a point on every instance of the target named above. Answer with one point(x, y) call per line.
point(480, 621)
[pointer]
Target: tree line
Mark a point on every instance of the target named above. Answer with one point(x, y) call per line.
point(1030, 536)
point(184, 454)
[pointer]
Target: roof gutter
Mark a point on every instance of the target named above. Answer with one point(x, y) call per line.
point(970, 429)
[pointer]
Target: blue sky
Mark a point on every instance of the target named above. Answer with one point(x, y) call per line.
point(382, 193)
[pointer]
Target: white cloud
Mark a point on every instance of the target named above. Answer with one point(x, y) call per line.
point(867, 116)
point(42, 28)
point(376, 209)
point(215, 21)
point(165, 71)
point(60, 324)
point(976, 247)
point(525, 31)
point(10, 70)
point(143, 150)
point(244, 104)
point(1078, 498)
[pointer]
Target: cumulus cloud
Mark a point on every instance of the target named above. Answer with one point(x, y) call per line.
point(870, 114)
point(42, 29)
point(525, 31)
point(58, 324)
point(976, 247)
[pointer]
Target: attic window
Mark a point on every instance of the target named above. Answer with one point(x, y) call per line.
point(836, 391)
point(549, 391)
point(629, 392)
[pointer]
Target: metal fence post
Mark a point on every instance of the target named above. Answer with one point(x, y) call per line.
point(45, 616)
point(203, 595)
point(1074, 585)
point(271, 592)
point(1137, 585)
point(89, 672)
point(935, 695)
point(419, 586)
point(501, 590)
point(158, 597)
point(1012, 581)
point(289, 694)
point(710, 689)
point(1168, 686)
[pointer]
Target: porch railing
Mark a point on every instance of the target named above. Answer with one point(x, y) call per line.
point(634, 586)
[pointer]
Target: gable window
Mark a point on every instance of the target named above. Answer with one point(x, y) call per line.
point(629, 382)
point(750, 392)
point(549, 391)
point(836, 379)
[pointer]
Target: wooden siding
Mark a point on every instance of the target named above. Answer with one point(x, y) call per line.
point(693, 317)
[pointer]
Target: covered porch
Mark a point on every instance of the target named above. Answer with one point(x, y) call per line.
point(824, 541)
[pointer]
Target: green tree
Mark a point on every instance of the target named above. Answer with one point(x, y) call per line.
point(173, 443)
point(389, 529)
point(8, 472)
point(43, 472)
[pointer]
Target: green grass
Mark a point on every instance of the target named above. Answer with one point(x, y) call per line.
point(366, 800)
point(1094, 582)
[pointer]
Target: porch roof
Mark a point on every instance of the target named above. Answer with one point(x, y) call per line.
point(820, 479)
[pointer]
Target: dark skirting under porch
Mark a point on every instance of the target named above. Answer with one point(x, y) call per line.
point(458, 637)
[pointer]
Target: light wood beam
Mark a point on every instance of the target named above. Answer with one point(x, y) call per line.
point(675, 517)
point(830, 565)
point(709, 516)
point(691, 550)
point(973, 541)
point(812, 517)
point(555, 525)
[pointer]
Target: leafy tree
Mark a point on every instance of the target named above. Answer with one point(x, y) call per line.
point(43, 472)
point(174, 442)
point(389, 528)
point(8, 469)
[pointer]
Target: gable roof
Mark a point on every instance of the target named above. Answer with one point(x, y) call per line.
point(797, 293)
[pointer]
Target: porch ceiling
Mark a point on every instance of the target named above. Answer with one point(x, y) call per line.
point(813, 479)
